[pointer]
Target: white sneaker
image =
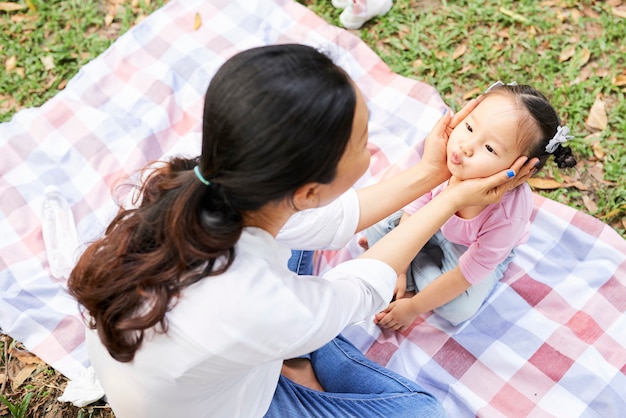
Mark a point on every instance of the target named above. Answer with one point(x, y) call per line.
point(342, 4)
point(354, 17)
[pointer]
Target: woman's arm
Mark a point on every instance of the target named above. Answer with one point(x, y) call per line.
point(399, 246)
point(382, 199)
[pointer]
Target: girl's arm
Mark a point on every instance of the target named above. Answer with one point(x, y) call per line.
point(400, 314)
point(440, 291)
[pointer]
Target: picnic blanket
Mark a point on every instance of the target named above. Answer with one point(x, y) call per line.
point(550, 341)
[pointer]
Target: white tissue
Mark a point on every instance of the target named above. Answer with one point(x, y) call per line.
point(84, 390)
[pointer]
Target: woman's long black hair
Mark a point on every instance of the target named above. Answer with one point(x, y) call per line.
point(275, 118)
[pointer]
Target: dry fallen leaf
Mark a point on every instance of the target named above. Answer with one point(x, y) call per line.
point(31, 6)
point(513, 15)
point(583, 75)
point(459, 51)
point(589, 12)
point(140, 18)
point(466, 68)
point(597, 118)
point(26, 356)
point(11, 7)
point(620, 80)
point(48, 62)
point(10, 63)
point(404, 30)
point(619, 11)
point(567, 53)
point(590, 204)
point(598, 151)
point(7, 103)
point(49, 82)
point(471, 94)
point(545, 183)
point(584, 57)
point(504, 33)
point(197, 22)
point(21, 376)
point(597, 172)
point(591, 138)
point(54, 411)
point(614, 212)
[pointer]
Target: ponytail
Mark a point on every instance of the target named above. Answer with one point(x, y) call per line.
point(541, 127)
point(173, 238)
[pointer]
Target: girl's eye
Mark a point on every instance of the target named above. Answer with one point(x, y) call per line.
point(469, 128)
point(489, 148)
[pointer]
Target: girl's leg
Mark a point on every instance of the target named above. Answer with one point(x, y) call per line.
point(375, 232)
point(466, 304)
point(426, 266)
point(355, 387)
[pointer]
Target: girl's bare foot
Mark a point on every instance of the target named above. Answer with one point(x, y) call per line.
point(300, 371)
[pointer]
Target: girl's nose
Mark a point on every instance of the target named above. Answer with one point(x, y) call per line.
point(466, 150)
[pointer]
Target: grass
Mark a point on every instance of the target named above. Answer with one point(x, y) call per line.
point(573, 51)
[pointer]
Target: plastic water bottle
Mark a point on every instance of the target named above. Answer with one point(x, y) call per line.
point(59, 233)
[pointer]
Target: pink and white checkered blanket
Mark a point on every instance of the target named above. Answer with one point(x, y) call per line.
point(551, 339)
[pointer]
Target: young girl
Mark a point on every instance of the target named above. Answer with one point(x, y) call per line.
point(461, 264)
point(190, 306)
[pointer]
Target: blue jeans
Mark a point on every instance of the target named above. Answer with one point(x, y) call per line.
point(437, 257)
point(354, 385)
point(301, 262)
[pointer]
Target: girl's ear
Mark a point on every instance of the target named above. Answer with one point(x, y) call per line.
point(307, 196)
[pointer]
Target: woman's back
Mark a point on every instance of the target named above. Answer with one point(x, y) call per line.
point(227, 336)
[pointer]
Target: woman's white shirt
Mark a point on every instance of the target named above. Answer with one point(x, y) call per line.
point(229, 334)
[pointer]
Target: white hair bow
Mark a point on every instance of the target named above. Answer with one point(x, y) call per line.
point(498, 84)
point(559, 137)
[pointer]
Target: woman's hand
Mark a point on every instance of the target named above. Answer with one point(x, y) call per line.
point(484, 191)
point(435, 155)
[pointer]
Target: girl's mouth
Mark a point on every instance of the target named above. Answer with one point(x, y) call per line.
point(455, 158)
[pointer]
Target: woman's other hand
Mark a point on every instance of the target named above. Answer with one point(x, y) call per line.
point(434, 158)
point(484, 191)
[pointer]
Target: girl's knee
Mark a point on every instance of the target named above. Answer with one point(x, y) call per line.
point(375, 232)
point(456, 313)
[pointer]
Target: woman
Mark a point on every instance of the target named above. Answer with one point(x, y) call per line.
point(192, 307)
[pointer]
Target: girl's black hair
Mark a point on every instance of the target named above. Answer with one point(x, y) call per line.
point(536, 132)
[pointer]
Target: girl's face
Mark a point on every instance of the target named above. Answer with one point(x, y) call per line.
point(485, 142)
point(355, 159)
